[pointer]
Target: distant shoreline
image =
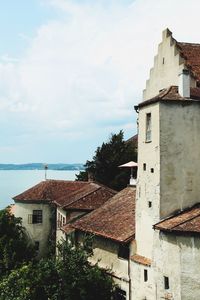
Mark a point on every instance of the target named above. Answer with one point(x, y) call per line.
point(41, 166)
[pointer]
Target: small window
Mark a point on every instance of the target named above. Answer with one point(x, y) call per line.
point(163, 60)
point(150, 204)
point(37, 245)
point(145, 275)
point(148, 127)
point(144, 167)
point(123, 251)
point(120, 294)
point(166, 282)
point(152, 170)
point(37, 217)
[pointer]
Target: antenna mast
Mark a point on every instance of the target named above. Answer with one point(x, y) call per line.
point(45, 171)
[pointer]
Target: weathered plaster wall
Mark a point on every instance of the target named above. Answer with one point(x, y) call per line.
point(167, 66)
point(148, 185)
point(177, 257)
point(190, 271)
point(37, 232)
point(105, 252)
point(139, 288)
point(179, 156)
point(166, 262)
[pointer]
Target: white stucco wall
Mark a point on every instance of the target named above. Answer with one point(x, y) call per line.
point(37, 232)
point(139, 288)
point(148, 184)
point(179, 156)
point(190, 271)
point(177, 257)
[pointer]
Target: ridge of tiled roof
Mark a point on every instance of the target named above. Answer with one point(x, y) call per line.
point(171, 94)
point(187, 221)
point(114, 220)
point(78, 195)
point(49, 190)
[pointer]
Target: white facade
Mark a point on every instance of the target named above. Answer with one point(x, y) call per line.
point(38, 232)
point(168, 181)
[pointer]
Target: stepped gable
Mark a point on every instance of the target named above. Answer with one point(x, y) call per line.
point(114, 220)
point(187, 221)
point(191, 53)
point(171, 94)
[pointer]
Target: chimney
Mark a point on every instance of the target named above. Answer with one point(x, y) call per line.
point(184, 84)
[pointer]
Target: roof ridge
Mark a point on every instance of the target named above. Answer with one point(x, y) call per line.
point(85, 195)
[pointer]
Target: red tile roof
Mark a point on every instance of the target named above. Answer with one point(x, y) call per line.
point(141, 260)
point(191, 53)
point(67, 194)
point(171, 94)
point(114, 220)
point(187, 221)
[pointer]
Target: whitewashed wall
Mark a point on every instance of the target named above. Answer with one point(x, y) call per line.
point(37, 232)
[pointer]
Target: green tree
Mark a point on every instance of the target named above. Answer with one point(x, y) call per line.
point(67, 277)
point(104, 165)
point(15, 247)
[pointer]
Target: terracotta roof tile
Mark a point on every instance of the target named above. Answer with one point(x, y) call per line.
point(67, 194)
point(141, 260)
point(114, 220)
point(191, 53)
point(187, 221)
point(171, 94)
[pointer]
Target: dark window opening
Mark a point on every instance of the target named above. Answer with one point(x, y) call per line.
point(120, 294)
point(150, 204)
point(152, 170)
point(148, 127)
point(37, 245)
point(166, 282)
point(145, 275)
point(123, 251)
point(37, 216)
point(163, 60)
point(144, 167)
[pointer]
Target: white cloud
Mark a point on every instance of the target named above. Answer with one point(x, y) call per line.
point(85, 71)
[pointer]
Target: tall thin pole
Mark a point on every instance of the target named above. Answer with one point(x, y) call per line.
point(45, 170)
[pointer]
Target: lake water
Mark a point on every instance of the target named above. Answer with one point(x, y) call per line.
point(15, 182)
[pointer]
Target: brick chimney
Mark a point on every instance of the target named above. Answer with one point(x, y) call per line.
point(184, 84)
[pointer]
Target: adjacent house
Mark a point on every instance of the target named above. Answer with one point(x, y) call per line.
point(51, 204)
point(113, 229)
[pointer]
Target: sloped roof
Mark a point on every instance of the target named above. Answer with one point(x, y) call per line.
point(114, 220)
point(187, 221)
point(141, 260)
point(171, 94)
point(67, 193)
point(191, 53)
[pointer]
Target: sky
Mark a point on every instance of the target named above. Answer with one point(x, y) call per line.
point(72, 71)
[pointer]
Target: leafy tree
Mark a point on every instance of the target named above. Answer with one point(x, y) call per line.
point(15, 247)
point(67, 277)
point(104, 165)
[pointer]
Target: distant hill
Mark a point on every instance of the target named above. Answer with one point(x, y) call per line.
point(40, 166)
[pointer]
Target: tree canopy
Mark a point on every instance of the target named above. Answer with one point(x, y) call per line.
point(67, 277)
point(15, 247)
point(104, 165)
